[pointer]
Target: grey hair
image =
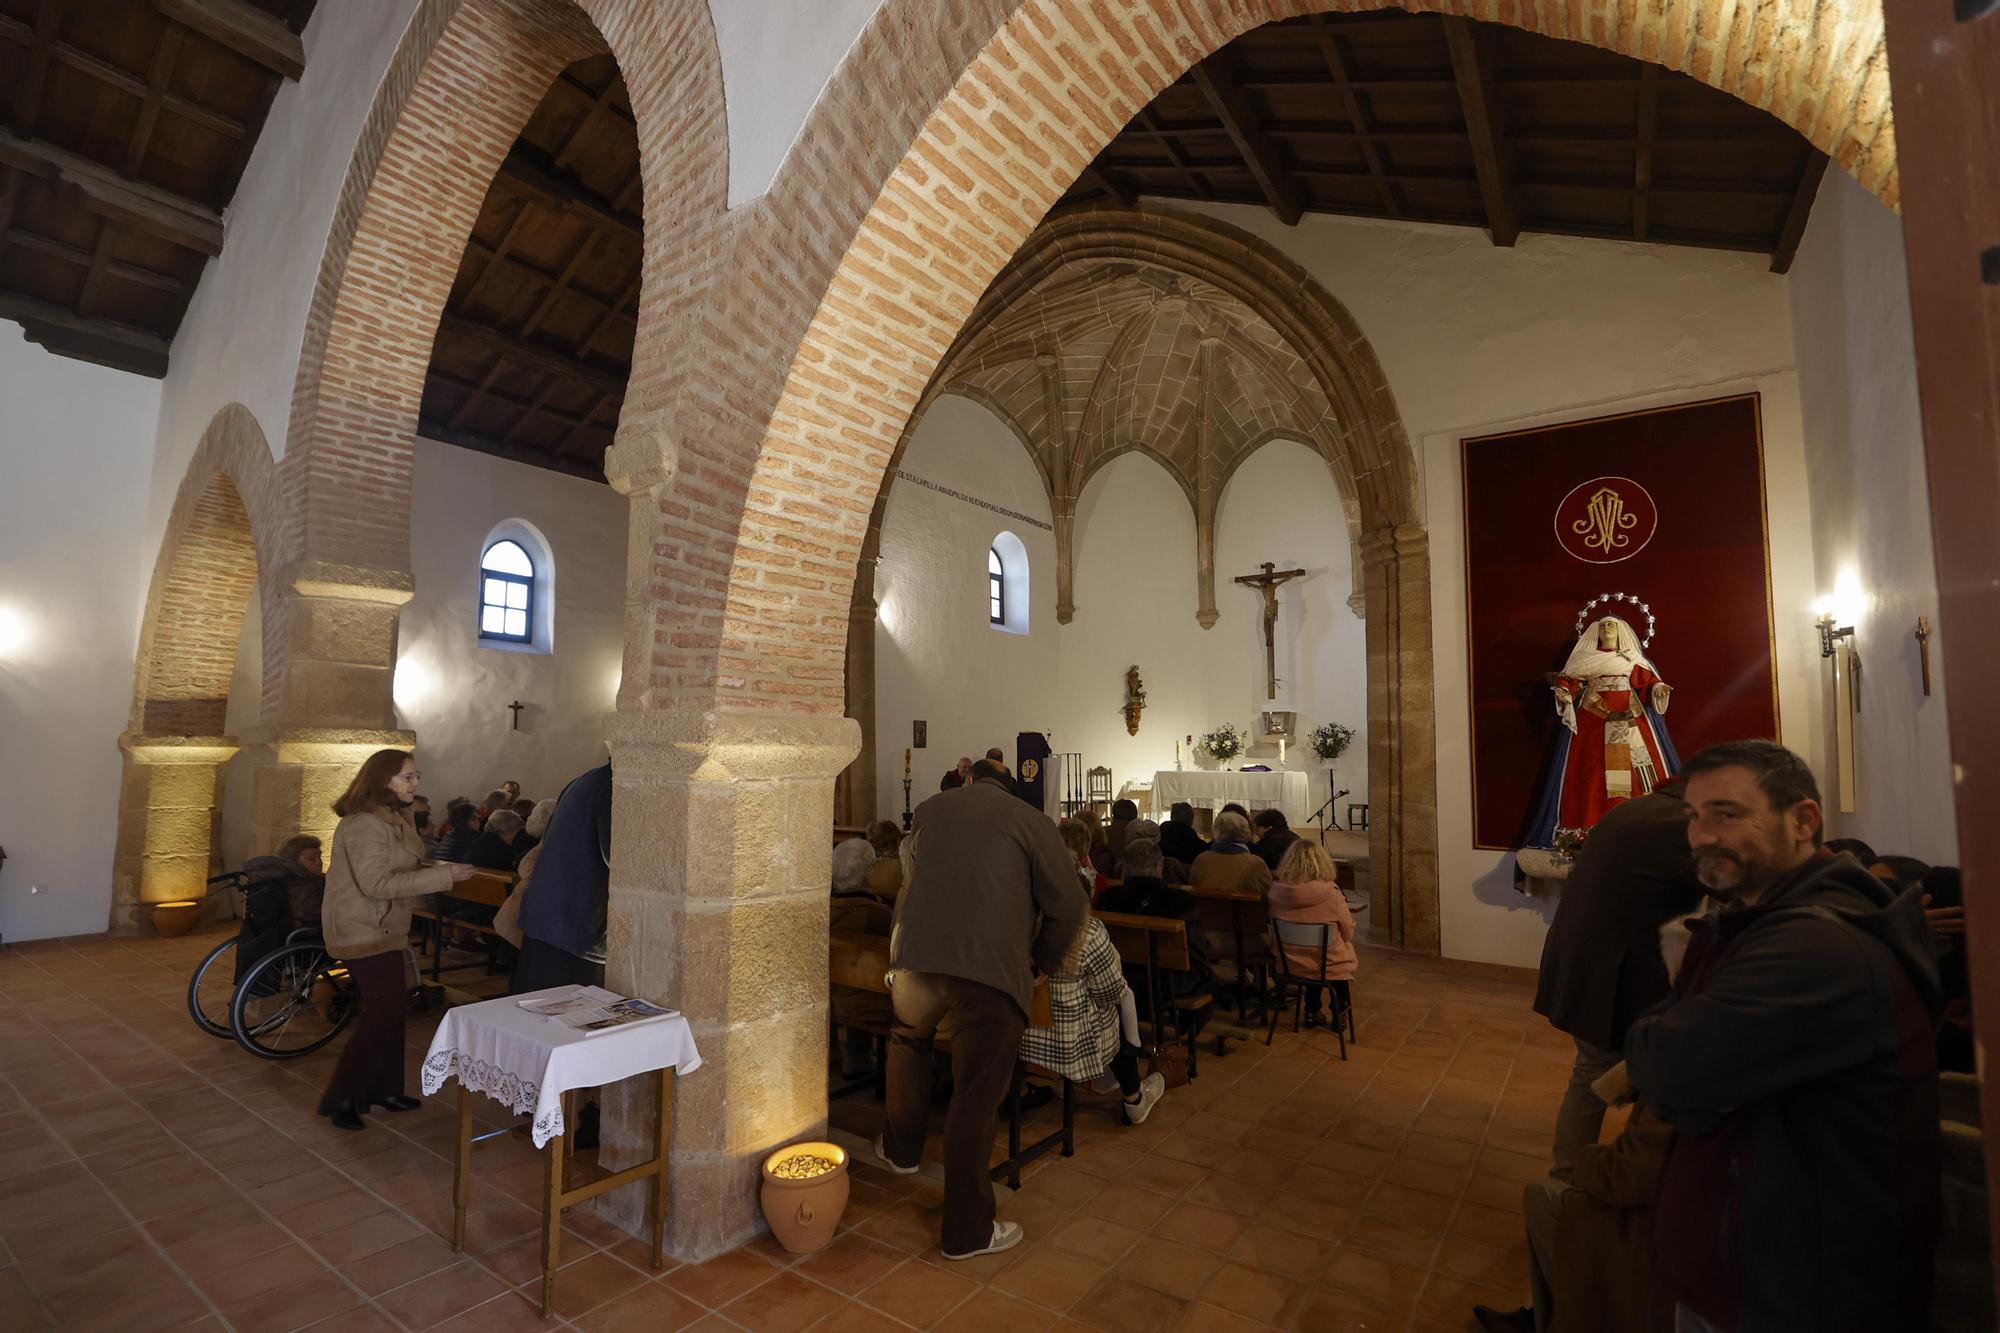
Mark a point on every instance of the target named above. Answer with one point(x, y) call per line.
point(851, 860)
point(1142, 830)
point(538, 822)
point(503, 822)
point(1231, 828)
point(497, 800)
point(1142, 857)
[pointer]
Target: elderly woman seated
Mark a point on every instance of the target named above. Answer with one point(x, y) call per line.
point(885, 877)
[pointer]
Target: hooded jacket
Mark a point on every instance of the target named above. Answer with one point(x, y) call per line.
point(1795, 1061)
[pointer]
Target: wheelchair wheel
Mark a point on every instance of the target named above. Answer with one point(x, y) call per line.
point(212, 987)
point(292, 1003)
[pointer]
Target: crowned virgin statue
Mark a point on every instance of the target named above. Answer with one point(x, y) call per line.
point(1613, 742)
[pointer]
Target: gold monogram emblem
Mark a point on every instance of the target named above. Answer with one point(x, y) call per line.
point(1604, 525)
point(1030, 770)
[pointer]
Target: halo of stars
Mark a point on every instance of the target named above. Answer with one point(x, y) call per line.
point(1603, 598)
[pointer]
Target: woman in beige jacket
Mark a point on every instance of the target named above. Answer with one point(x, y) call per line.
point(377, 867)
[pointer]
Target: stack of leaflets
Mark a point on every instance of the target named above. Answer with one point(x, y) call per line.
point(589, 1009)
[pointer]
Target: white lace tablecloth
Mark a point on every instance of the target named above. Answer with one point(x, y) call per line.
point(526, 1062)
point(1285, 789)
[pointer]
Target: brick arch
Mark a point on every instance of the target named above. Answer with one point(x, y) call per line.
point(464, 82)
point(225, 524)
point(979, 119)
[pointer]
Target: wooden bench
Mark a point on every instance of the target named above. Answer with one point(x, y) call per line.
point(1159, 944)
point(861, 961)
point(488, 888)
point(1243, 916)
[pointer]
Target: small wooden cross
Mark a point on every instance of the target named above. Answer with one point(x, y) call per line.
point(516, 708)
point(1924, 650)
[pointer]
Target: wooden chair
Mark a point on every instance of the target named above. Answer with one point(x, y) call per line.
point(1159, 944)
point(1307, 935)
point(1098, 791)
point(1242, 919)
point(489, 888)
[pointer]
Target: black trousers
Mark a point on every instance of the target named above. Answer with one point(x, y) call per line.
point(371, 1068)
point(540, 965)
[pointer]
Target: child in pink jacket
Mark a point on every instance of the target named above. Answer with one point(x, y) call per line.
point(1304, 890)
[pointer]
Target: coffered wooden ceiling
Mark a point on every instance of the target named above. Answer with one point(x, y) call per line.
point(126, 127)
point(1432, 118)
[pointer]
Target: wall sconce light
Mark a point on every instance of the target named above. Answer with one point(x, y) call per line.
point(1829, 634)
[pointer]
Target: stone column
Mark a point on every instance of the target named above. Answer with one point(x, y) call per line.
point(329, 703)
point(720, 865)
point(854, 793)
point(167, 803)
point(1402, 739)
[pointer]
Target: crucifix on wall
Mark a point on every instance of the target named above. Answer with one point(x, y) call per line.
point(515, 708)
point(1268, 583)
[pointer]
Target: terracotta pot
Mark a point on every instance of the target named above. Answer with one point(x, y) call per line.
point(175, 919)
point(804, 1212)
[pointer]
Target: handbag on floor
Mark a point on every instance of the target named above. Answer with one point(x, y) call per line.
point(1170, 1060)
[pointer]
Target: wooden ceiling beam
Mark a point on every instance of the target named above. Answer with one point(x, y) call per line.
point(125, 81)
point(1642, 153)
point(171, 217)
point(1173, 151)
point(61, 329)
point(567, 193)
point(1803, 194)
point(431, 429)
point(162, 70)
point(42, 46)
point(1111, 183)
point(82, 258)
point(1336, 65)
point(1232, 106)
point(244, 29)
point(540, 355)
point(1472, 65)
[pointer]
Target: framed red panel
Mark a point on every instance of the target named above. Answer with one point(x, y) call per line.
point(1665, 505)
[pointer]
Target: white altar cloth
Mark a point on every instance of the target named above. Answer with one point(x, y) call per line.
point(527, 1061)
point(1211, 790)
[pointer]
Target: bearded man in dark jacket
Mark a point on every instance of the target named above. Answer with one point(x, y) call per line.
point(1796, 1062)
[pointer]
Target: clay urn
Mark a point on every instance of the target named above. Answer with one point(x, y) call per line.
point(173, 920)
point(804, 1193)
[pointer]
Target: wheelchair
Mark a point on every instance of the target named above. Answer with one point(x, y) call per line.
point(272, 986)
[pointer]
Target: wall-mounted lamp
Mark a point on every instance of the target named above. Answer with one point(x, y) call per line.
point(1829, 634)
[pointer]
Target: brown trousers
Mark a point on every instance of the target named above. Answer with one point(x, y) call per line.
point(985, 1029)
point(371, 1068)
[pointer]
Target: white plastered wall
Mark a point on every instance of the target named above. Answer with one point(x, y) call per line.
point(74, 562)
point(937, 658)
point(453, 691)
point(1871, 514)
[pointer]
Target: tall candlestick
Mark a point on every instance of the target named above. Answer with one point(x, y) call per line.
point(906, 762)
point(1281, 752)
point(1177, 756)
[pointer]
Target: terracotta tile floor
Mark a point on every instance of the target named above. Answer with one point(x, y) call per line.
point(152, 1177)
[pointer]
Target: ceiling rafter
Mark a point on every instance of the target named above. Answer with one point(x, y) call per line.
point(171, 217)
point(1472, 66)
point(124, 80)
point(1336, 65)
point(1267, 166)
point(244, 29)
point(1796, 216)
point(41, 39)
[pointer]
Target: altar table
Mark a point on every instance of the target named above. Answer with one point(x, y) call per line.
point(1283, 789)
point(531, 1064)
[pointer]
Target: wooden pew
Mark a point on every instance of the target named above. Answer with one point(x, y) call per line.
point(861, 961)
point(1160, 945)
point(1243, 916)
point(489, 888)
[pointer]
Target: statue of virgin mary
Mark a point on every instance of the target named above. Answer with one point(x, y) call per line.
point(1613, 743)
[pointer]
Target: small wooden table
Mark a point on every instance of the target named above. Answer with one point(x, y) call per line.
point(535, 1066)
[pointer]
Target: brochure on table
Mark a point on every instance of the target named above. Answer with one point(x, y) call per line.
point(591, 1009)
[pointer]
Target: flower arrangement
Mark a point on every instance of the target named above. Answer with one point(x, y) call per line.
point(1569, 841)
point(1223, 744)
point(1330, 740)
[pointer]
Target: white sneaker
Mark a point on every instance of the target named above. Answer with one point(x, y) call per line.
point(1006, 1235)
point(1151, 1089)
point(882, 1156)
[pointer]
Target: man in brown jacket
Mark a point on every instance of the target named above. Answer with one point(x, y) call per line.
point(992, 891)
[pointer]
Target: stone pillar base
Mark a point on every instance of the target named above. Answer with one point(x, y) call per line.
point(298, 773)
point(166, 824)
point(721, 858)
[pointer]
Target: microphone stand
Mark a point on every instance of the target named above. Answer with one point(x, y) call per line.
point(1329, 811)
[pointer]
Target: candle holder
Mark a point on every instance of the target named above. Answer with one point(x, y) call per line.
point(906, 805)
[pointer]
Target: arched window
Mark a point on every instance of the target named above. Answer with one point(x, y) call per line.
point(996, 587)
point(1007, 588)
point(507, 593)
